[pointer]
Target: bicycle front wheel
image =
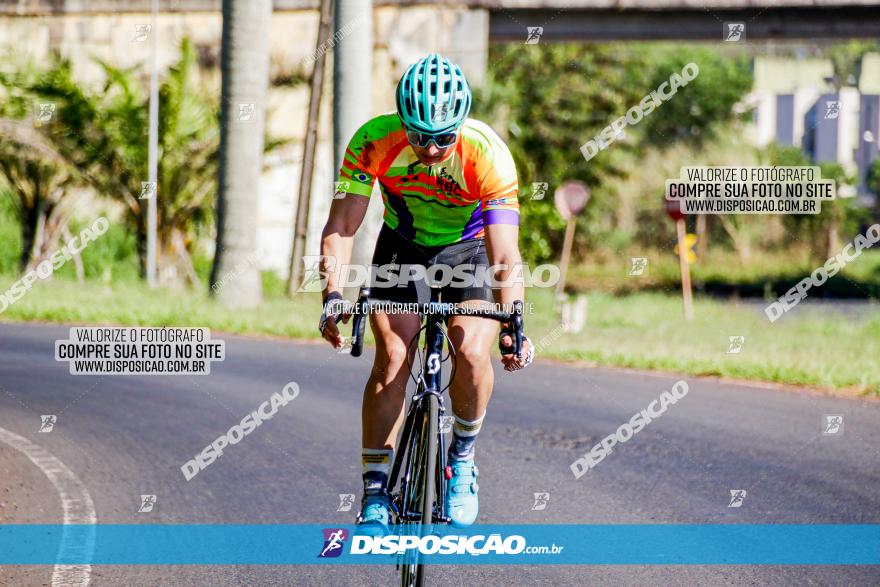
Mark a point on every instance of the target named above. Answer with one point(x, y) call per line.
point(424, 494)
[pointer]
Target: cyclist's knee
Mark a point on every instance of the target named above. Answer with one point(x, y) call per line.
point(472, 356)
point(390, 357)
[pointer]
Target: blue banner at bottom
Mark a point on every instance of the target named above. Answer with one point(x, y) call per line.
point(524, 544)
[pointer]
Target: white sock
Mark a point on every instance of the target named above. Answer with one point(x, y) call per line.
point(375, 468)
point(464, 435)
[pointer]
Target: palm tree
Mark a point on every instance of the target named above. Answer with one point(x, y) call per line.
point(189, 139)
point(37, 177)
point(103, 136)
point(35, 173)
point(245, 70)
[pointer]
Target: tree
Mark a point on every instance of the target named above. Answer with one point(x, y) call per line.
point(37, 176)
point(873, 181)
point(819, 233)
point(696, 115)
point(32, 168)
point(547, 101)
point(103, 134)
point(189, 139)
point(840, 215)
point(846, 58)
point(245, 71)
point(707, 104)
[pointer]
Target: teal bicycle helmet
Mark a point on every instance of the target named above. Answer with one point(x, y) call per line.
point(433, 96)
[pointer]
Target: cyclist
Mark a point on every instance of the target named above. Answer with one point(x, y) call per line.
point(449, 187)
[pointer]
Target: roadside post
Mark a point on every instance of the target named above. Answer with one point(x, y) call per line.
point(570, 199)
point(301, 219)
point(673, 210)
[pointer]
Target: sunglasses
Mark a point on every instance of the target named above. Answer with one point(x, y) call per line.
point(421, 139)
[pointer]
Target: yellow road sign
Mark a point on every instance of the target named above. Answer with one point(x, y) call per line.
point(690, 241)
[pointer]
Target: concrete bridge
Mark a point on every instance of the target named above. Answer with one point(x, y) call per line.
point(686, 20)
point(565, 20)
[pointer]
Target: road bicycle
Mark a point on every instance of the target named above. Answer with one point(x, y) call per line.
point(420, 461)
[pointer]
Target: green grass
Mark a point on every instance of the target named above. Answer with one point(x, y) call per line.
point(768, 274)
point(805, 347)
point(62, 300)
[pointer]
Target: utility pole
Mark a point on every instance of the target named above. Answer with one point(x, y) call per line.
point(301, 219)
point(153, 149)
point(352, 104)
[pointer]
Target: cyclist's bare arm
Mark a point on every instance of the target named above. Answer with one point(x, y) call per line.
point(337, 240)
point(502, 247)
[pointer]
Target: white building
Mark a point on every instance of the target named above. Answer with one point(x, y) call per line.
point(798, 103)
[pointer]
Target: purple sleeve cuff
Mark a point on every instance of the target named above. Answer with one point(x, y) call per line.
point(501, 217)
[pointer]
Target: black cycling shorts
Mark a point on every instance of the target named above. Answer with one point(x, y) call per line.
point(399, 254)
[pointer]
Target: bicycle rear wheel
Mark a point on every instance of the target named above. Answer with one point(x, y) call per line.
point(423, 494)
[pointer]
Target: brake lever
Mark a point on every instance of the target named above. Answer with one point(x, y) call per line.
point(360, 323)
point(518, 327)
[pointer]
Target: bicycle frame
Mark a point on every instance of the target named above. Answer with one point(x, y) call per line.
point(429, 383)
point(422, 442)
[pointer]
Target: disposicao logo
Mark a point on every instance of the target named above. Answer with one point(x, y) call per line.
point(334, 539)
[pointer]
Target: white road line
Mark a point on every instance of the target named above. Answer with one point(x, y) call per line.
point(75, 501)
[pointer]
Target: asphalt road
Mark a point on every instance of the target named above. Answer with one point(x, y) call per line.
point(124, 436)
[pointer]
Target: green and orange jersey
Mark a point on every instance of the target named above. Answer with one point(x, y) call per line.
point(438, 205)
